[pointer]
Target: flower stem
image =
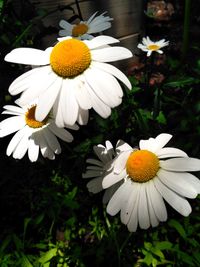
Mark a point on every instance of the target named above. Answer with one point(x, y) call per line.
point(186, 28)
point(79, 10)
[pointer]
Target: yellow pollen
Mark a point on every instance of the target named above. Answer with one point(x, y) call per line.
point(69, 58)
point(142, 166)
point(30, 118)
point(153, 47)
point(79, 29)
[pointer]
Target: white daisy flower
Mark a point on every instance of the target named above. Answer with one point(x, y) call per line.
point(32, 135)
point(84, 29)
point(99, 167)
point(149, 46)
point(72, 79)
point(150, 174)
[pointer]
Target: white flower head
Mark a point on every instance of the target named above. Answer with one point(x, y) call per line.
point(150, 174)
point(72, 78)
point(150, 46)
point(98, 169)
point(32, 135)
point(84, 29)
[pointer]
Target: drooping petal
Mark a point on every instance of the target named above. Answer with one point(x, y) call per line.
point(113, 71)
point(129, 202)
point(133, 221)
point(114, 205)
point(52, 141)
point(47, 99)
point(143, 213)
point(105, 86)
point(179, 203)
point(61, 133)
point(157, 201)
point(15, 141)
point(33, 149)
point(178, 182)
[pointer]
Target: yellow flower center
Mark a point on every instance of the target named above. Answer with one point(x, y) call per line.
point(30, 118)
point(142, 166)
point(70, 58)
point(79, 30)
point(153, 47)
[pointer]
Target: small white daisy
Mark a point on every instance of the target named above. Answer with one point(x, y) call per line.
point(84, 29)
point(32, 135)
point(99, 167)
point(72, 79)
point(150, 174)
point(150, 46)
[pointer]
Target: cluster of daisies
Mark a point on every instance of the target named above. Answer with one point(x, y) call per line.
point(67, 80)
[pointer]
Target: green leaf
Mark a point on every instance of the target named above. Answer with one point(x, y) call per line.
point(175, 224)
point(25, 261)
point(164, 245)
point(48, 255)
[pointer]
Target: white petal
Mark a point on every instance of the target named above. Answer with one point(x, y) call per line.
point(57, 110)
point(100, 41)
point(61, 133)
point(110, 54)
point(95, 162)
point(52, 141)
point(143, 213)
point(30, 56)
point(133, 221)
point(152, 215)
point(95, 185)
point(91, 17)
point(113, 71)
point(155, 144)
point(33, 150)
point(122, 146)
point(120, 162)
point(47, 99)
point(129, 201)
point(66, 25)
point(114, 205)
point(105, 86)
point(92, 173)
point(177, 182)
point(82, 96)
point(168, 152)
point(110, 192)
point(181, 164)
point(11, 125)
point(29, 79)
point(69, 104)
point(179, 203)
point(44, 79)
point(157, 202)
point(83, 116)
point(102, 109)
point(22, 146)
point(15, 141)
point(16, 110)
point(112, 178)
